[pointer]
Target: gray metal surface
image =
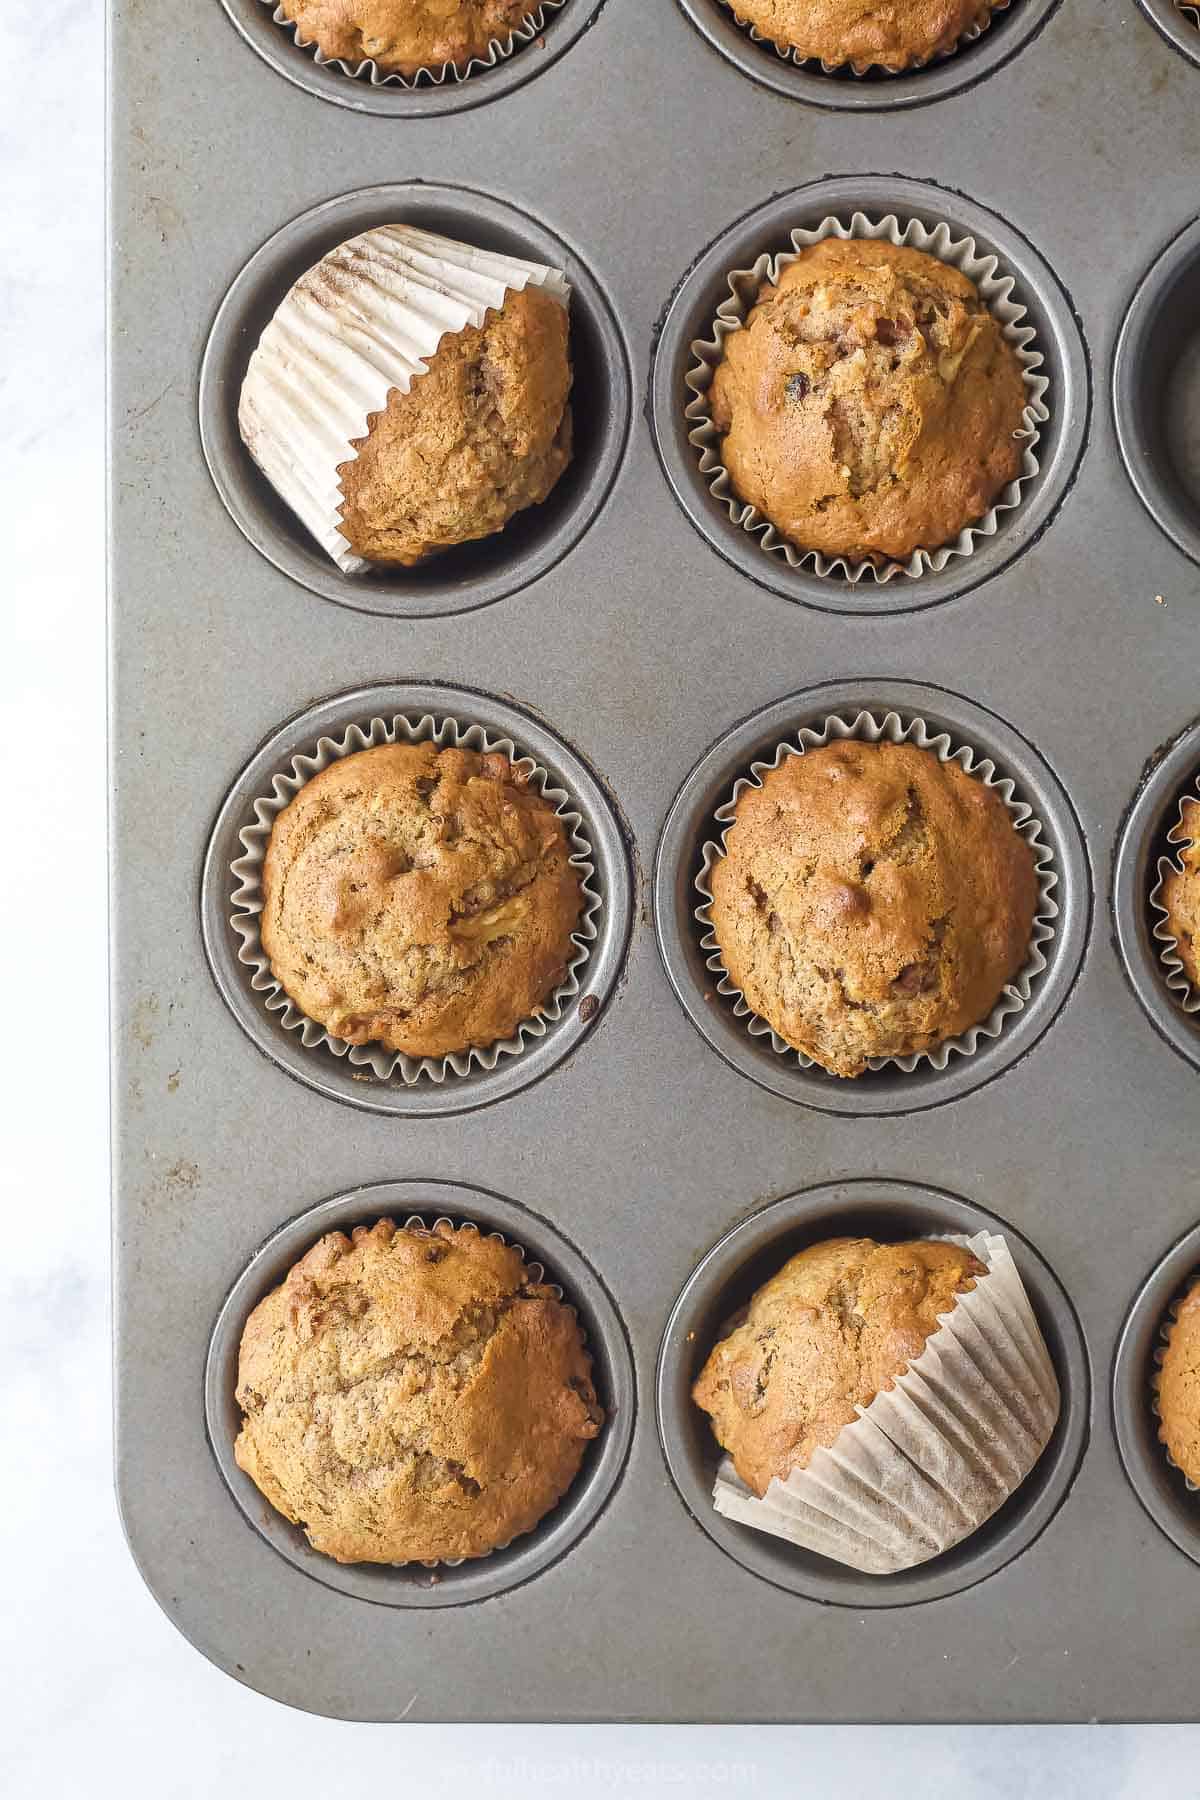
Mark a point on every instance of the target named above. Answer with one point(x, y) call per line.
point(639, 647)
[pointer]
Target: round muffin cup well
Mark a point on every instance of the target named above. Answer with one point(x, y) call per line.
point(547, 1256)
point(745, 285)
point(890, 728)
point(787, 53)
point(1187, 996)
point(246, 900)
point(1179, 22)
point(498, 51)
point(929, 1460)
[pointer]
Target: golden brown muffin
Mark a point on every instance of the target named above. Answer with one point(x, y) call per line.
point(898, 34)
point(1180, 894)
point(872, 901)
point(402, 37)
point(411, 1396)
point(1179, 1389)
point(419, 898)
point(824, 1336)
point(484, 433)
point(868, 405)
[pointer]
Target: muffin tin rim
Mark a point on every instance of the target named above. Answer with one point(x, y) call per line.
point(753, 1234)
point(1168, 21)
point(277, 48)
point(584, 1289)
point(600, 975)
point(240, 485)
point(713, 774)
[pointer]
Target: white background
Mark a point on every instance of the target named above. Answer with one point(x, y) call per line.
point(98, 1694)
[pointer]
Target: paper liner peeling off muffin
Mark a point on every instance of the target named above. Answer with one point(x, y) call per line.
point(967, 270)
point(1013, 994)
point(955, 1428)
point(410, 393)
point(1175, 897)
point(414, 1395)
point(469, 45)
point(1175, 1386)
point(824, 35)
point(247, 897)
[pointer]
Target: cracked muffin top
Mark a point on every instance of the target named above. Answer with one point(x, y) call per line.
point(823, 1337)
point(868, 405)
point(871, 901)
point(401, 37)
point(1180, 893)
point(419, 898)
point(411, 1396)
point(484, 433)
point(898, 34)
point(1178, 1387)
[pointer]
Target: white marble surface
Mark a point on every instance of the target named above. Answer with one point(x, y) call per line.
point(100, 1695)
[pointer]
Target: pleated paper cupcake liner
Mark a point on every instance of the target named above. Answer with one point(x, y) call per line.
point(364, 321)
point(1164, 1332)
point(1177, 979)
point(246, 897)
point(996, 288)
point(498, 51)
point(786, 52)
point(926, 1464)
point(893, 730)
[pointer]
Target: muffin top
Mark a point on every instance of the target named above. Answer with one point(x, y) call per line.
point(1179, 1388)
point(868, 405)
point(1180, 893)
point(411, 1395)
point(483, 433)
point(402, 37)
point(419, 898)
point(823, 1337)
point(895, 35)
point(871, 901)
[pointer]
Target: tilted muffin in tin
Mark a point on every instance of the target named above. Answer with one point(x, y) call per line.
point(821, 1339)
point(871, 901)
point(896, 34)
point(419, 898)
point(869, 406)
point(1177, 1385)
point(1179, 894)
point(413, 1396)
point(402, 37)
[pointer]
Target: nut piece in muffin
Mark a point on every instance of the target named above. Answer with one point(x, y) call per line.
point(419, 898)
point(869, 405)
point(1178, 1387)
point(823, 1337)
point(411, 1396)
point(402, 37)
point(872, 901)
point(899, 34)
point(1179, 895)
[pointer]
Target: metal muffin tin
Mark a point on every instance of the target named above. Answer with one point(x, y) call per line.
point(648, 149)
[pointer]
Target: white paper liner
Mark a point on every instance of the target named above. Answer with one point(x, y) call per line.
point(786, 53)
point(498, 50)
point(1164, 1332)
point(246, 898)
point(925, 1465)
point(891, 729)
point(996, 289)
point(1176, 976)
point(364, 320)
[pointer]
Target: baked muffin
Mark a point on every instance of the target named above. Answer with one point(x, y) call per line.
point(402, 37)
point(868, 406)
point(871, 901)
point(419, 898)
point(1178, 1387)
point(411, 1396)
point(900, 34)
point(822, 1338)
point(1179, 895)
point(411, 393)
